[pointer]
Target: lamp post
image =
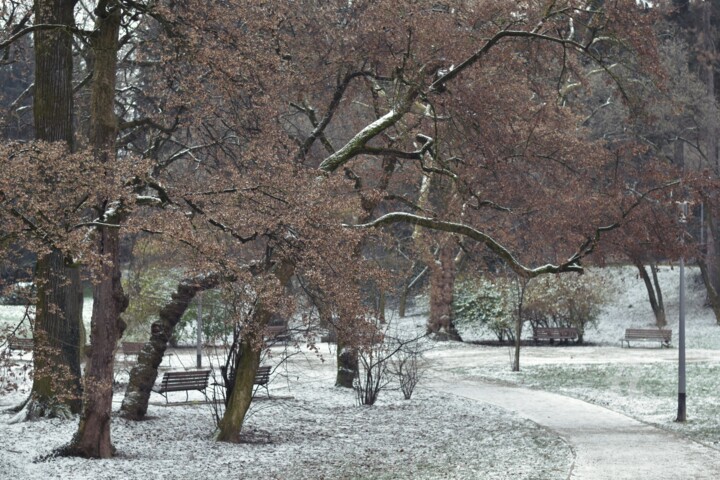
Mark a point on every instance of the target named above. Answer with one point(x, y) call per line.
point(682, 410)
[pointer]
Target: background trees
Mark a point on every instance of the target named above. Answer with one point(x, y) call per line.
point(247, 137)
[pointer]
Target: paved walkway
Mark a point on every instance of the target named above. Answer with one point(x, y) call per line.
point(606, 444)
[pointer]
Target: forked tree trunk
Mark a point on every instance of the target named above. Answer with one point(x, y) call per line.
point(653, 289)
point(144, 373)
point(92, 438)
point(58, 321)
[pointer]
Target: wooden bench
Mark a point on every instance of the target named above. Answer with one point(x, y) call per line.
point(132, 348)
point(262, 378)
point(183, 382)
point(277, 333)
point(648, 335)
point(552, 334)
point(17, 343)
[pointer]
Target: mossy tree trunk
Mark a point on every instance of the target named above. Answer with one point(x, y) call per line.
point(246, 365)
point(247, 360)
point(144, 373)
point(58, 322)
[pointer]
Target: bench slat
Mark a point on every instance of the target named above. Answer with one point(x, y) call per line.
point(17, 343)
point(183, 381)
point(565, 333)
point(132, 348)
point(645, 334)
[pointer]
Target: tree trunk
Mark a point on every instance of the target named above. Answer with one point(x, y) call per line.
point(406, 290)
point(653, 289)
point(56, 388)
point(58, 322)
point(92, 438)
point(442, 284)
point(712, 294)
point(347, 364)
point(246, 365)
point(708, 262)
point(522, 288)
point(247, 362)
point(144, 373)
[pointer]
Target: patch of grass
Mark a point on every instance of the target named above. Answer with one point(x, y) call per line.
point(647, 392)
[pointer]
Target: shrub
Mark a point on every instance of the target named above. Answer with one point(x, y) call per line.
point(484, 304)
point(566, 300)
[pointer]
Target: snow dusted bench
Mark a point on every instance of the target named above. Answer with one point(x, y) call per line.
point(262, 377)
point(647, 334)
point(183, 382)
point(17, 343)
point(552, 334)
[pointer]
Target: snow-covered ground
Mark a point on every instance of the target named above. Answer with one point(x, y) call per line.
point(310, 429)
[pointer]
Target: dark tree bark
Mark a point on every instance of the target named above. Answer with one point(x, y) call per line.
point(347, 365)
point(144, 373)
point(652, 285)
point(92, 438)
point(406, 290)
point(58, 322)
point(442, 283)
point(708, 262)
point(57, 335)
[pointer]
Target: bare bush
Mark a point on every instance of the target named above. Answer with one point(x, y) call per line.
point(408, 365)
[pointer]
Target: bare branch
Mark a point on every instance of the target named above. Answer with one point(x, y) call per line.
point(571, 265)
point(318, 131)
point(43, 26)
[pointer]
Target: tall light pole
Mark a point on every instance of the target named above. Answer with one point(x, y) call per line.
point(682, 410)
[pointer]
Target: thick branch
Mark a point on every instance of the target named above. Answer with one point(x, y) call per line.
point(571, 265)
point(146, 122)
point(319, 128)
point(357, 144)
point(195, 208)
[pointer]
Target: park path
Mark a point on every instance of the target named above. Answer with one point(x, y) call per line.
point(606, 444)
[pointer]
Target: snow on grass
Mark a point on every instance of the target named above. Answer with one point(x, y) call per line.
point(641, 381)
point(309, 430)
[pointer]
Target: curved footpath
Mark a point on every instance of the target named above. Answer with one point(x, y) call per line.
point(607, 445)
